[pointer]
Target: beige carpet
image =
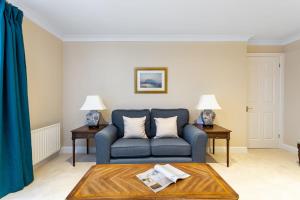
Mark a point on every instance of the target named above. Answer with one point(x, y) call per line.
point(258, 175)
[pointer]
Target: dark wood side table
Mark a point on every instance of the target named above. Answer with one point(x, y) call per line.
point(87, 133)
point(217, 132)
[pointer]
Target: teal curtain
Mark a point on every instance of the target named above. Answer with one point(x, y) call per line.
point(16, 170)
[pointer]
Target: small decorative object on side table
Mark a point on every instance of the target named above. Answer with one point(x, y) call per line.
point(85, 132)
point(207, 104)
point(217, 132)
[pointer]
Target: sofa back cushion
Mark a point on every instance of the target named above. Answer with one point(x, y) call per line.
point(134, 127)
point(117, 119)
point(182, 118)
point(166, 127)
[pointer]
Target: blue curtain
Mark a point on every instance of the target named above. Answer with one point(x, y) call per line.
point(16, 169)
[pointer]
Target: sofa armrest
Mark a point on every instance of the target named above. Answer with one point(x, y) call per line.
point(198, 140)
point(104, 139)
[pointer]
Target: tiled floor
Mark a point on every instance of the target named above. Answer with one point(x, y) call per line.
point(259, 174)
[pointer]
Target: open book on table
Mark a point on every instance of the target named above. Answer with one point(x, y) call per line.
point(161, 176)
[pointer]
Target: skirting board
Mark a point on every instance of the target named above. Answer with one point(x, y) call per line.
point(288, 148)
point(82, 149)
point(43, 162)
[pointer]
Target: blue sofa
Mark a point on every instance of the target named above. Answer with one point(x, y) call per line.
point(112, 148)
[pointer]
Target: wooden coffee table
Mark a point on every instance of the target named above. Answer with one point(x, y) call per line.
point(119, 181)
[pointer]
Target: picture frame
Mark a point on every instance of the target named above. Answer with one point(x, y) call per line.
point(151, 80)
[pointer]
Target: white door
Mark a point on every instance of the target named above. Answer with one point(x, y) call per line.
point(263, 101)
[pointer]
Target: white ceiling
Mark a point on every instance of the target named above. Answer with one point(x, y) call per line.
point(263, 21)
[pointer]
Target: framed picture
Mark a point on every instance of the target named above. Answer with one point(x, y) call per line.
point(151, 80)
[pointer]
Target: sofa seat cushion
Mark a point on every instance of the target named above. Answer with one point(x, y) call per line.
point(130, 148)
point(170, 147)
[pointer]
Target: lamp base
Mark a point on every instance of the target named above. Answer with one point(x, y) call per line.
point(208, 117)
point(93, 118)
point(208, 126)
point(93, 127)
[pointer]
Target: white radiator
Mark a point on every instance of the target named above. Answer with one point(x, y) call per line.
point(45, 142)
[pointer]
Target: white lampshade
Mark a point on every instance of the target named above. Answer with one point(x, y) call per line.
point(93, 102)
point(208, 102)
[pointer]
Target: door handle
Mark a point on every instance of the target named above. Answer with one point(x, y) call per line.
point(248, 108)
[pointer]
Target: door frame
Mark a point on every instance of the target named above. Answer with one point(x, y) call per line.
point(281, 58)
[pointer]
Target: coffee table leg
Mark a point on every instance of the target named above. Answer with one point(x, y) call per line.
point(73, 152)
point(213, 145)
point(87, 145)
point(227, 148)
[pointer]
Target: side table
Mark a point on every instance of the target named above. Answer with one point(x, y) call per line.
point(87, 133)
point(217, 132)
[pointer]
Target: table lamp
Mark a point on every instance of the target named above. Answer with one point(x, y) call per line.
point(207, 104)
point(94, 104)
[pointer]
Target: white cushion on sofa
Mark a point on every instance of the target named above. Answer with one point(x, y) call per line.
point(166, 127)
point(134, 127)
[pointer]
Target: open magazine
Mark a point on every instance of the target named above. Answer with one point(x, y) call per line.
point(161, 176)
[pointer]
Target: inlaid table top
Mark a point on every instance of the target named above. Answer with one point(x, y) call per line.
point(119, 181)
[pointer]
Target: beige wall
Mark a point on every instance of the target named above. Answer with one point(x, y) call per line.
point(44, 72)
point(292, 94)
point(107, 69)
point(265, 49)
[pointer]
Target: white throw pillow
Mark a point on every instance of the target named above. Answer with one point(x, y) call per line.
point(166, 127)
point(134, 127)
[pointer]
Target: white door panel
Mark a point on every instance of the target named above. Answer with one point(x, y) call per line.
point(263, 102)
point(268, 127)
point(253, 121)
